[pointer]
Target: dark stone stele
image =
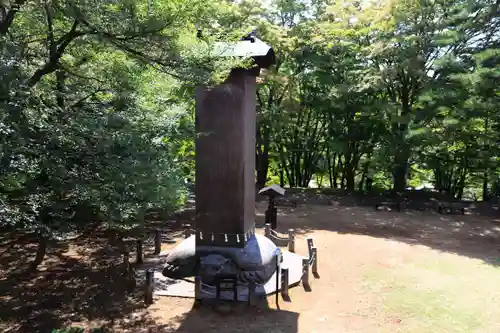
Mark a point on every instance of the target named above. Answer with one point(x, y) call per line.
point(225, 240)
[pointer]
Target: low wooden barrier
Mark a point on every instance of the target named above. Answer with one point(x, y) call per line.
point(310, 264)
point(149, 287)
point(281, 240)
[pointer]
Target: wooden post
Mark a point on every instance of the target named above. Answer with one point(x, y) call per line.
point(278, 264)
point(126, 262)
point(148, 296)
point(274, 218)
point(310, 245)
point(305, 273)
point(284, 283)
point(267, 215)
point(187, 230)
point(131, 283)
point(128, 272)
point(315, 261)
point(267, 230)
point(138, 252)
point(157, 241)
point(291, 240)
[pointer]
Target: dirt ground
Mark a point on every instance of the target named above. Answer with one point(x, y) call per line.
point(78, 283)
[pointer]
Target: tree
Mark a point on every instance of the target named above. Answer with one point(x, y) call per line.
point(92, 116)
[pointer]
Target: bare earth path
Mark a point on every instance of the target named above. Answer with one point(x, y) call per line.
point(359, 252)
point(382, 272)
point(336, 303)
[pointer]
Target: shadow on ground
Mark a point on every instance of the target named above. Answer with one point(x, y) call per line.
point(468, 235)
point(68, 288)
point(249, 320)
point(205, 319)
point(80, 284)
point(411, 199)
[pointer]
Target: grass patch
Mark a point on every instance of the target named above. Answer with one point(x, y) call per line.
point(439, 292)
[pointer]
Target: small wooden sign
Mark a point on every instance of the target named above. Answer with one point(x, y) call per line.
point(272, 191)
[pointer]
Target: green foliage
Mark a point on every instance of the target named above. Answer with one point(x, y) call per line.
point(96, 115)
point(405, 91)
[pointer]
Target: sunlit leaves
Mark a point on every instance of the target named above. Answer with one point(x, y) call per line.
point(107, 124)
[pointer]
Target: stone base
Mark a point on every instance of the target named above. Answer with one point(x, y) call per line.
point(183, 288)
point(255, 262)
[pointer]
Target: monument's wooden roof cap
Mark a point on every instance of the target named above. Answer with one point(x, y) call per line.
point(243, 48)
point(248, 47)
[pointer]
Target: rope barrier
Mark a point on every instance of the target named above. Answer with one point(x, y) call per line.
point(312, 259)
point(278, 241)
point(281, 239)
point(176, 234)
point(310, 245)
point(309, 263)
point(207, 286)
point(278, 234)
point(281, 277)
point(315, 262)
point(213, 235)
point(305, 274)
point(240, 283)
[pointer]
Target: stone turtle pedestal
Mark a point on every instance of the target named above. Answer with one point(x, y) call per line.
point(253, 263)
point(182, 287)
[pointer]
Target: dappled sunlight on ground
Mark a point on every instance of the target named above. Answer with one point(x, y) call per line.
point(467, 235)
point(379, 272)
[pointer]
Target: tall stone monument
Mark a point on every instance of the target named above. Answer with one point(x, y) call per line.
point(225, 240)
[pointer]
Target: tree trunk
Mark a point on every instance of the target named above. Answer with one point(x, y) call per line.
point(463, 177)
point(349, 177)
point(343, 181)
point(369, 184)
point(340, 166)
point(40, 253)
point(350, 165)
point(403, 149)
point(363, 177)
point(262, 170)
point(282, 177)
point(486, 195)
point(400, 170)
point(8, 19)
point(60, 87)
point(263, 160)
point(332, 169)
point(53, 63)
point(286, 170)
point(348, 171)
point(461, 185)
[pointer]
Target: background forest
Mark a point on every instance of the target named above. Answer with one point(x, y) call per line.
point(97, 108)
